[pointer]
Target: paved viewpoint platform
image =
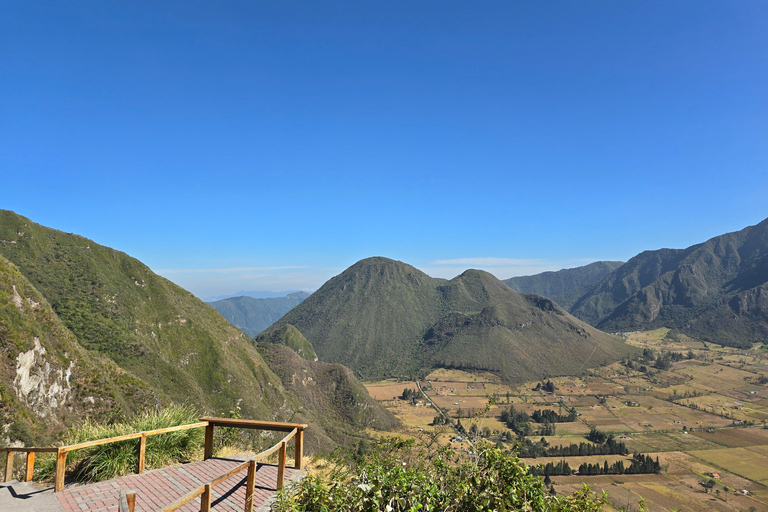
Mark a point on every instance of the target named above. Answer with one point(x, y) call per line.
point(154, 490)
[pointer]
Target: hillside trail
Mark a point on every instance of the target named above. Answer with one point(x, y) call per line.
point(154, 489)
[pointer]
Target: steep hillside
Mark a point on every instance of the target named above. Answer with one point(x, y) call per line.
point(336, 405)
point(160, 333)
point(384, 318)
point(46, 379)
point(254, 315)
point(715, 289)
point(292, 338)
point(564, 286)
point(96, 332)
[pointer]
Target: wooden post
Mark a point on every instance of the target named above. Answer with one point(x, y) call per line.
point(9, 466)
point(130, 497)
point(61, 466)
point(208, 451)
point(249, 485)
point(127, 501)
point(281, 467)
point(30, 466)
point(205, 499)
point(299, 448)
point(142, 451)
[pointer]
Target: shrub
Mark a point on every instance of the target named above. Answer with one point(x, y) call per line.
point(399, 476)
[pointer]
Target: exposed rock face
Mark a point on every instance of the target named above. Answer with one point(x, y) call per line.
point(42, 387)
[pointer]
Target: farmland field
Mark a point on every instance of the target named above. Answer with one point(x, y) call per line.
point(702, 415)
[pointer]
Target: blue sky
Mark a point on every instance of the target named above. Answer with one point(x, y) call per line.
point(269, 145)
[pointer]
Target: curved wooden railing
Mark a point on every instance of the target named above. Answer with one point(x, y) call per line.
point(205, 490)
point(295, 430)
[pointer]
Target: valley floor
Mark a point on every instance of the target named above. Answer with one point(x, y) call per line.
point(704, 415)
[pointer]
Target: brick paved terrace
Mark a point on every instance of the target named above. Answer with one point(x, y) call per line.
point(159, 488)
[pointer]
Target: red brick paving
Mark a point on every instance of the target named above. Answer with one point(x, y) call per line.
point(159, 488)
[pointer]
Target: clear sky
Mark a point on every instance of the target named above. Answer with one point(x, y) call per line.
point(268, 145)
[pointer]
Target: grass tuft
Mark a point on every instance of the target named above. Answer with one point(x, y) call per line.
point(121, 458)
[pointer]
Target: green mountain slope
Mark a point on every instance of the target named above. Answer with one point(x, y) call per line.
point(47, 380)
point(367, 317)
point(384, 318)
point(162, 334)
point(564, 286)
point(292, 338)
point(715, 289)
point(334, 402)
point(254, 315)
point(116, 338)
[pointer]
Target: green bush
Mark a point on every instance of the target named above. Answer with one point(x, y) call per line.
point(121, 458)
point(400, 476)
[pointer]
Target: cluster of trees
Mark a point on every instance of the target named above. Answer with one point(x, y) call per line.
point(650, 359)
point(686, 394)
point(640, 464)
point(561, 468)
point(542, 449)
point(548, 386)
point(596, 436)
point(440, 420)
point(550, 416)
point(411, 395)
point(519, 421)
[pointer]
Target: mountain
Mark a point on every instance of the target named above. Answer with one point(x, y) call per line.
point(384, 318)
point(258, 294)
point(136, 339)
point(162, 334)
point(334, 402)
point(254, 315)
point(46, 379)
point(564, 286)
point(715, 290)
point(292, 338)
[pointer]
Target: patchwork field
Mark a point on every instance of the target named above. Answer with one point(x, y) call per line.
point(702, 415)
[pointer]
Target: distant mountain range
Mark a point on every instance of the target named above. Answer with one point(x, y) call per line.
point(384, 318)
point(256, 294)
point(564, 286)
point(254, 315)
point(87, 331)
point(716, 290)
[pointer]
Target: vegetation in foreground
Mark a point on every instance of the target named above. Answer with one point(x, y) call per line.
point(399, 475)
point(121, 458)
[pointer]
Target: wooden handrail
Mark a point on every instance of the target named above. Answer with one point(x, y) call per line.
point(205, 490)
point(277, 426)
point(29, 449)
point(260, 425)
point(61, 452)
point(135, 435)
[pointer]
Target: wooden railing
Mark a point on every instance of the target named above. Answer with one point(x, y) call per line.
point(294, 430)
point(205, 490)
